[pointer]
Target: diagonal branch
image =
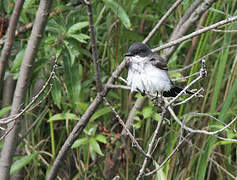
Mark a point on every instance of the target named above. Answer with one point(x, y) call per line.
point(196, 33)
point(161, 21)
point(190, 17)
point(84, 120)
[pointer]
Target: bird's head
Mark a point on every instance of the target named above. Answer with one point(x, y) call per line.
point(138, 49)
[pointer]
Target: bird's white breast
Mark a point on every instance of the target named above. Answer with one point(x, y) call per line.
point(143, 76)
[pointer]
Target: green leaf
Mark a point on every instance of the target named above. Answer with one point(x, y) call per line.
point(156, 116)
point(118, 10)
point(147, 112)
point(228, 101)
point(79, 37)
point(63, 116)
point(17, 165)
point(18, 60)
point(5, 110)
point(79, 142)
point(160, 175)
point(57, 94)
point(72, 49)
point(77, 27)
point(94, 146)
point(101, 138)
point(100, 113)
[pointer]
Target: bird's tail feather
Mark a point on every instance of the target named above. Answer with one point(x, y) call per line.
point(174, 91)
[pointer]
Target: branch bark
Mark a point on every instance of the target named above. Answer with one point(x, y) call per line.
point(83, 121)
point(10, 39)
point(196, 33)
point(10, 142)
point(192, 15)
point(94, 48)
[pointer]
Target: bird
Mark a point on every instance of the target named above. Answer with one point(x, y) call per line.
point(148, 72)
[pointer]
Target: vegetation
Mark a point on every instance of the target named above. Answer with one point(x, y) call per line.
point(100, 151)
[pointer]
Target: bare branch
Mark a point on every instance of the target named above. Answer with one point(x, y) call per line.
point(134, 141)
point(189, 98)
point(196, 33)
point(204, 57)
point(170, 155)
point(203, 73)
point(10, 38)
point(34, 99)
point(197, 131)
point(157, 26)
point(189, 19)
point(94, 48)
point(150, 146)
point(119, 87)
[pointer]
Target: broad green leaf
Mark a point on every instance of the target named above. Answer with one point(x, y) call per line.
point(5, 110)
point(147, 112)
point(95, 146)
point(91, 130)
point(82, 107)
point(156, 116)
point(79, 142)
point(17, 165)
point(63, 116)
point(72, 49)
point(77, 27)
point(54, 27)
point(28, 4)
point(18, 60)
point(118, 10)
point(79, 37)
point(100, 113)
point(101, 138)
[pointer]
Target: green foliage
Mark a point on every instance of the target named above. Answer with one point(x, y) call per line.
point(91, 142)
point(117, 25)
point(22, 162)
point(5, 110)
point(119, 11)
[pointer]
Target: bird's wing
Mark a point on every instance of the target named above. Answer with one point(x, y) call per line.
point(158, 62)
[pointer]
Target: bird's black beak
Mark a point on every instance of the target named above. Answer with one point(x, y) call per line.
point(127, 54)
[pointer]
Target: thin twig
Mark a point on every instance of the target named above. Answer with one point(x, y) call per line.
point(134, 141)
point(198, 131)
point(34, 99)
point(204, 57)
point(150, 146)
point(202, 72)
point(205, 114)
point(189, 98)
point(119, 87)
point(227, 139)
point(186, 77)
point(170, 155)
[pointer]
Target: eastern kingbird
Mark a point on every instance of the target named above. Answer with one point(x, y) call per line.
point(148, 72)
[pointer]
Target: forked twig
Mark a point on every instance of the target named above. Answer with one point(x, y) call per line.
point(134, 141)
